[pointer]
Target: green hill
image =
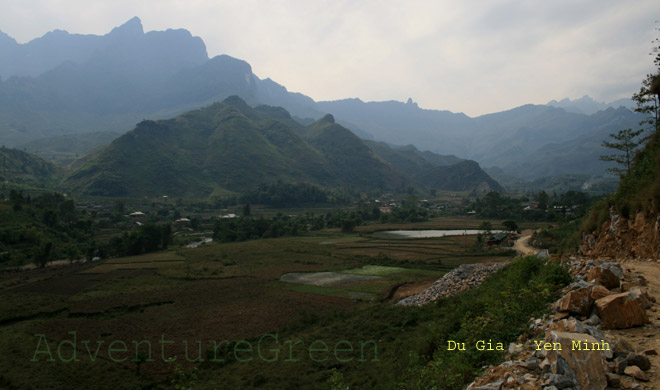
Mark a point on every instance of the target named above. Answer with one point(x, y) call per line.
point(229, 146)
point(19, 167)
point(462, 176)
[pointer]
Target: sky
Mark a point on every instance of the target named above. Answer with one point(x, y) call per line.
point(471, 56)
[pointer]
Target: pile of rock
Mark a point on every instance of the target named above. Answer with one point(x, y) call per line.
point(459, 279)
point(568, 350)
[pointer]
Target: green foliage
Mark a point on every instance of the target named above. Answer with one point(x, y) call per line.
point(42, 228)
point(510, 225)
point(497, 311)
point(283, 194)
point(19, 167)
point(626, 143)
point(147, 238)
point(639, 188)
point(567, 206)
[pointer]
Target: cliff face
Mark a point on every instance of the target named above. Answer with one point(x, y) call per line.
point(621, 238)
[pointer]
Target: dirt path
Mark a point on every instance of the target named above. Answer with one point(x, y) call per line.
point(522, 244)
point(648, 336)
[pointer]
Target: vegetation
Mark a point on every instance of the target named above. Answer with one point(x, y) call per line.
point(626, 144)
point(568, 206)
point(412, 342)
point(639, 188)
point(41, 229)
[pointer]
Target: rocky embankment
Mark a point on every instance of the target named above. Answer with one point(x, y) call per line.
point(603, 334)
point(637, 238)
point(459, 279)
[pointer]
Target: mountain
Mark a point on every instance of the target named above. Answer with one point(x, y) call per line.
point(436, 171)
point(230, 146)
point(405, 123)
point(530, 141)
point(65, 83)
point(19, 167)
point(462, 176)
point(587, 105)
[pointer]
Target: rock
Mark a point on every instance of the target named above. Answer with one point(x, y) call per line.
point(622, 348)
point(491, 386)
point(620, 365)
point(577, 301)
point(594, 320)
point(587, 366)
point(459, 279)
point(560, 381)
point(639, 295)
point(531, 364)
point(636, 373)
point(514, 348)
point(613, 380)
point(546, 368)
point(640, 361)
point(614, 267)
point(604, 277)
point(619, 311)
point(599, 291)
point(650, 352)
point(568, 325)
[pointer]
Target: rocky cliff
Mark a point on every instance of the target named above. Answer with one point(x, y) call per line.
point(621, 238)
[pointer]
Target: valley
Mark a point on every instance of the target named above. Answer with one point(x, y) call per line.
point(170, 220)
point(231, 291)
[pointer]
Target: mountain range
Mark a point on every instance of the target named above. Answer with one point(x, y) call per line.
point(62, 84)
point(230, 147)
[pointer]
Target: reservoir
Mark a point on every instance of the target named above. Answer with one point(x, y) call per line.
point(404, 234)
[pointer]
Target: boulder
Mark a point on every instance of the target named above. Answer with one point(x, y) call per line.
point(587, 367)
point(640, 295)
point(637, 373)
point(619, 311)
point(641, 361)
point(604, 277)
point(599, 291)
point(577, 301)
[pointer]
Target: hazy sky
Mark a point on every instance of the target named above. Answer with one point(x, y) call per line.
point(475, 56)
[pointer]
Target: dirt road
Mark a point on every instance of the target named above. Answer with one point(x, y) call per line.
point(522, 244)
point(646, 337)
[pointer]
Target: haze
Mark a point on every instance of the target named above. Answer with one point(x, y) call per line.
point(475, 57)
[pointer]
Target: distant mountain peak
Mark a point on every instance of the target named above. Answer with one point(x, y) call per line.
point(6, 39)
point(588, 105)
point(328, 118)
point(131, 27)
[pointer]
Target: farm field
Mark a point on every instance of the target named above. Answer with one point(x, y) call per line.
point(180, 300)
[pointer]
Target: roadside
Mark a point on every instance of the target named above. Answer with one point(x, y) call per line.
point(646, 338)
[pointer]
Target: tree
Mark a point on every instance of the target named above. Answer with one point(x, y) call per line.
point(486, 228)
point(648, 97)
point(510, 225)
point(626, 143)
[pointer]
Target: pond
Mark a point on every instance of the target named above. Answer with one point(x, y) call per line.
point(405, 234)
